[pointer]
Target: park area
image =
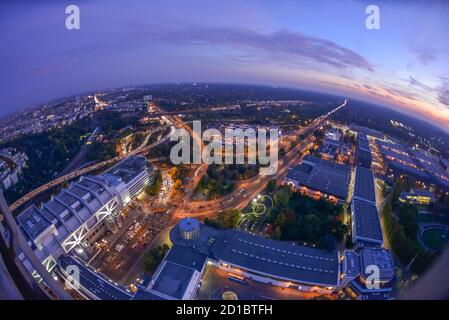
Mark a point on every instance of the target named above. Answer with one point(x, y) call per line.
point(436, 238)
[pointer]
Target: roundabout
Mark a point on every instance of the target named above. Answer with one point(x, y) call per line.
point(434, 237)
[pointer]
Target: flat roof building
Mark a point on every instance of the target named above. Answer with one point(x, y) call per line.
point(278, 259)
point(364, 185)
point(398, 160)
point(366, 228)
point(77, 216)
point(321, 177)
point(178, 275)
point(363, 151)
point(279, 263)
point(367, 131)
point(92, 284)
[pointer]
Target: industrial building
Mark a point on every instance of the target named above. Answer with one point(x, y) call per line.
point(78, 216)
point(359, 273)
point(91, 284)
point(320, 178)
point(363, 151)
point(418, 164)
point(366, 228)
point(277, 263)
point(364, 185)
point(367, 131)
point(283, 264)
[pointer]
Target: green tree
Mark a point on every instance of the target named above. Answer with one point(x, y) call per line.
point(280, 220)
point(271, 185)
point(277, 234)
point(155, 188)
point(408, 217)
point(226, 219)
point(154, 257)
point(281, 198)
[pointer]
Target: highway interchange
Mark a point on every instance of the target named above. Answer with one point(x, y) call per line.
point(124, 266)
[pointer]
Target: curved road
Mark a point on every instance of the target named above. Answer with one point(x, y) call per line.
point(77, 173)
point(239, 200)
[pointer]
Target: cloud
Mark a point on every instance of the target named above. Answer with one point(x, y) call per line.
point(443, 95)
point(424, 54)
point(419, 84)
point(284, 43)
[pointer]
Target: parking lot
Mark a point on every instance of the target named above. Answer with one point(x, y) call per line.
point(118, 257)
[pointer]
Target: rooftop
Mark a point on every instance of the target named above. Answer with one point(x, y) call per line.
point(381, 258)
point(367, 131)
point(93, 281)
point(284, 260)
point(363, 143)
point(186, 257)
point(419, 192)
point(188, 224)
point(173, 279)
point(351, 264)
point(322, 175)
point(366, 222)
point(126, 170)
point(364, 184)
point(78, 203)
point(33, 222)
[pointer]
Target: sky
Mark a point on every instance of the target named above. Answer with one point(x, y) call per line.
point(316, 45)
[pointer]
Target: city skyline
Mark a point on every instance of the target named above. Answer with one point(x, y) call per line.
point(322, 47)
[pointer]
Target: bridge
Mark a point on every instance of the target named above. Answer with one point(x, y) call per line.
point(142, 149)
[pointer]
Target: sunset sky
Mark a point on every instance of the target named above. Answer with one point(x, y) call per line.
point(317, 45)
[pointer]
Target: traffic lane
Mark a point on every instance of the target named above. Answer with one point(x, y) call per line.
point(290, 159)
point(241, 201)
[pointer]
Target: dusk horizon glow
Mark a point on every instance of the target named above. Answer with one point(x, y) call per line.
point(293, 44)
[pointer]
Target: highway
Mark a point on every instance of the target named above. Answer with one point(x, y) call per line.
point(126, 265)
point(77, 173)
point(239, 200)
point(181, 207)
point(189, 188)
point(95, 286)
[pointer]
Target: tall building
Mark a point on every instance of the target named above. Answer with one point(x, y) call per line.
point(79, 215)
point(278, 263)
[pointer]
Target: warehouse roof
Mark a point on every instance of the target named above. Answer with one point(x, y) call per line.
point(364, 185)
point(280, 259)
point(322, 175)
point(366, 222)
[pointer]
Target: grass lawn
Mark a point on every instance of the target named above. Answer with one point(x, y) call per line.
point(436, 238)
